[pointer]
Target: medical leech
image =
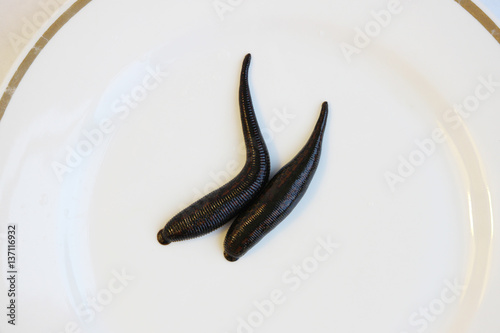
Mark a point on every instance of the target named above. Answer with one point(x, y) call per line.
point(218, 207)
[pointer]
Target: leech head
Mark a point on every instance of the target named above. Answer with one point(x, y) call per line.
point(229, 257)
point(160, 238)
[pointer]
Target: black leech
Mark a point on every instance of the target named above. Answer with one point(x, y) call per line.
point(218, 207)
point(278, 198)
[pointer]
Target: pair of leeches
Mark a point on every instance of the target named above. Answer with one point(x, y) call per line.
point(258, 205)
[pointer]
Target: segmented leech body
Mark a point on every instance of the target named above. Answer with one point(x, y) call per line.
point(221, 205)
point(278, 198)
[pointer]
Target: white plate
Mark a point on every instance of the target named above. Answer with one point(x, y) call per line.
point(89, 181)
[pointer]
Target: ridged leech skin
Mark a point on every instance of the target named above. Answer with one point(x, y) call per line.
point(279, 197)
point(218, 207)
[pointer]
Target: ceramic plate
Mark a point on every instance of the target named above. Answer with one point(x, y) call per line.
point(129, 112)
